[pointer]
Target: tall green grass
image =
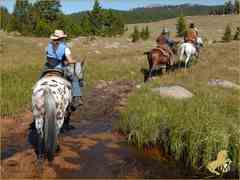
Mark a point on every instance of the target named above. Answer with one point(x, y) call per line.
point(21, 64)
point(201, 126)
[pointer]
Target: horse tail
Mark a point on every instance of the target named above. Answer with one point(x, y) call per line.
point(50, 133)
point(182, 51)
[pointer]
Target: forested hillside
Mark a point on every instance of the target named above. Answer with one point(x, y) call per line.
point(41, 17)
point(150, 14)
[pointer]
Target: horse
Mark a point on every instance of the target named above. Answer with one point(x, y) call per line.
point(188, 49)
point(51, 106)
point(157, 57)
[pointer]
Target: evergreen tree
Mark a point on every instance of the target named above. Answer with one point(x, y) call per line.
point(104, 22)
point(48, 10)
point(237, 34)
point(5, 18)
point(142, 33)
point(20, 14)
point(96, 18)
point(237, 6)
point(229, 7)
point(47, 14)
point(145, 33)
point(228, 34)
point(43, 28)
point(135, 35)
point(181, 26)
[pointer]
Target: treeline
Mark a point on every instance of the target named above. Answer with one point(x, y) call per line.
point(42, 17)
point(151, 14)
point(230, 7)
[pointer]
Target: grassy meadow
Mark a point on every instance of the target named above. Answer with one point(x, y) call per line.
point(200, 126)
point(197, 128)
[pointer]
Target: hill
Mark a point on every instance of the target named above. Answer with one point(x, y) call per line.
point(156, 13)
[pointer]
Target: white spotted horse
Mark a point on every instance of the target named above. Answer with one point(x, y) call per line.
point(51, 101)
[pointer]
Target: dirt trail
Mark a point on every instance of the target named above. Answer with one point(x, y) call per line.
point(89, 151)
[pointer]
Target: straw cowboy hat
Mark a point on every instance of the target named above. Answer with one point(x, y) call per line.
point(58, 34)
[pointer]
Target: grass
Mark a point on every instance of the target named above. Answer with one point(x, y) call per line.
point(23, 59)
point(197, 128)
point(21, 63)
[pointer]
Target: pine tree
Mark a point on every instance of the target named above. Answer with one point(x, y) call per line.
point(5, 18)
point(48, 10)
point(96, 18)
point(237, 34)
point(181, 26)
point(237, 6)
point(104, 22)
point(142, 34)
point(145, 33)
point(20, 14)
point(49, 15)
point(227, 37)
point(229, 7)
point(135, 35)
point(43, 29)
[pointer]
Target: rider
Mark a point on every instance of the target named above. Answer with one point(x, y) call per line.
point(58, 55)
point(192, 35)
point(164, 42)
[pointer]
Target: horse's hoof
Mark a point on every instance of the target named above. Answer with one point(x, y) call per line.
point(58, 149)
point(66, 128)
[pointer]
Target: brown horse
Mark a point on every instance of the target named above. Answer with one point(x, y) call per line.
point(157, 58)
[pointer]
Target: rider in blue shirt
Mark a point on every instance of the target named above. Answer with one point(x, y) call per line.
point(58, 55)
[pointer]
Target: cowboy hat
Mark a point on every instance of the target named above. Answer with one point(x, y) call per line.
point(58, 34)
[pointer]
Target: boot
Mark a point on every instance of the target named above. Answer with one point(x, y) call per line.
point(77, 101)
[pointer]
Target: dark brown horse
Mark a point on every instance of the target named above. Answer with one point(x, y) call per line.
point(158, 58)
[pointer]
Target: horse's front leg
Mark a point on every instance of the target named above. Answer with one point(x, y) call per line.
point(150, 73)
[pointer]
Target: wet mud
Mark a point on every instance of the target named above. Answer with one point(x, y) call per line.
point(91, 150)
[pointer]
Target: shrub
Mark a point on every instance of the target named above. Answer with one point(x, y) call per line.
point(181, 26)
point(227, 37)
point(237, 34)
point(135, 35)
point(145, 34)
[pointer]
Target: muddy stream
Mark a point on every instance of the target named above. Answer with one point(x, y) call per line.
point(91, 150)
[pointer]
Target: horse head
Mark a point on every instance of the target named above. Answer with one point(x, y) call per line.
point(200, 41)
point(174, 47)
point(77, 69)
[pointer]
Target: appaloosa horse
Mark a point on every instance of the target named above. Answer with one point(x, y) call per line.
point(51, 100)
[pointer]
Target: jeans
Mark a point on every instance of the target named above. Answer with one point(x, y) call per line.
point(76, 83)
point(76, 86)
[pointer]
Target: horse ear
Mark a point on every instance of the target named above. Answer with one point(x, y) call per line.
point(83, 61)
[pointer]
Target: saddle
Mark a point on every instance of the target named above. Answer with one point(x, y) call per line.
point(54, 72)
point(163, 51)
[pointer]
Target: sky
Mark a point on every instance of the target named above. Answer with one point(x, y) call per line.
point(70, 6)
